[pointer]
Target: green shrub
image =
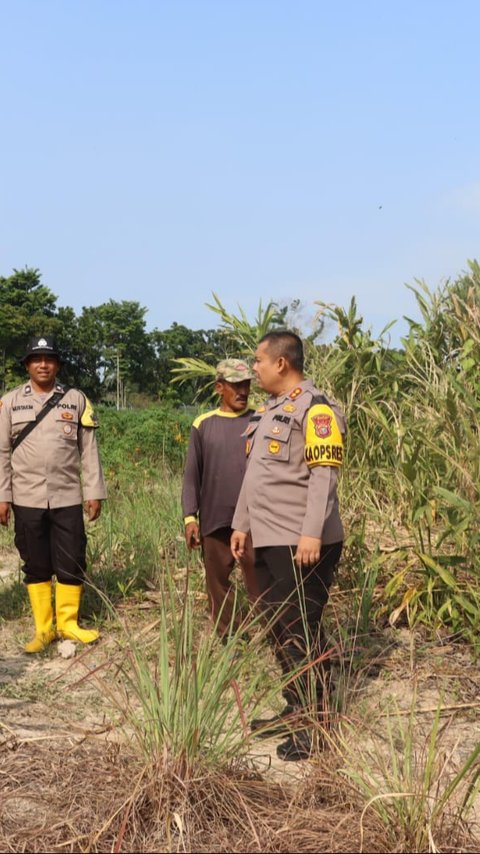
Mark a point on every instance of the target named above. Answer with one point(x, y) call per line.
point(135, 438)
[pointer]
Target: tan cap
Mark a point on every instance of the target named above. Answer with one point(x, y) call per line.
point(233, 371)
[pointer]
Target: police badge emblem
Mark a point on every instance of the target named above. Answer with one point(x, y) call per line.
point(322, 425)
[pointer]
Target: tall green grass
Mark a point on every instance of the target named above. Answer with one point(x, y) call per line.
point(186, 697)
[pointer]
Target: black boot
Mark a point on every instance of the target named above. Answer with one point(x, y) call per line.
point(299, 745)
point(278, 725)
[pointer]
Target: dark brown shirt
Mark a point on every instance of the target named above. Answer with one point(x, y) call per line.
point(214, 468)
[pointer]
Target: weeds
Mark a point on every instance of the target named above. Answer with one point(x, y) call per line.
point(414, 788)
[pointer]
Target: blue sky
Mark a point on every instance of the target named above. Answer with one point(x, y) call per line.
point(157, 151)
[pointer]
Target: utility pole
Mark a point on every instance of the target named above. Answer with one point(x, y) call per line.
point(118, 380)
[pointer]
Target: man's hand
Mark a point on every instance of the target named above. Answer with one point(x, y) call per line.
point(93, 509)
point(4, 513)
point(308, 551)
point(237, 544)
point(192, 535)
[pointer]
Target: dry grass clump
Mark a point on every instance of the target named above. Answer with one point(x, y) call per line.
point(97, 797)
point(59, 796)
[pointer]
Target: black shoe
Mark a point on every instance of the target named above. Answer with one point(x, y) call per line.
point(278, 725)
point(298, 746)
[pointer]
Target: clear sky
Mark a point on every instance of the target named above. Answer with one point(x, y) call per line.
point(157, 150)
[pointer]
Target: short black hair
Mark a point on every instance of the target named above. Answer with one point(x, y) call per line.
point(282, 342)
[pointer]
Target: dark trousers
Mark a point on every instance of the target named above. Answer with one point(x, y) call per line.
point(293, 601)
point(219, 563)
point(51, 542)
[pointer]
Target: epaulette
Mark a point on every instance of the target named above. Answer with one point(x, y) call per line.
point(321, 399)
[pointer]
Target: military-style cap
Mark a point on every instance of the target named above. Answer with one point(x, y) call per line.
point(233, 371)
point(43, 345)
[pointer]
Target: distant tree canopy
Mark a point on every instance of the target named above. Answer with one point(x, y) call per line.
point(106, 350)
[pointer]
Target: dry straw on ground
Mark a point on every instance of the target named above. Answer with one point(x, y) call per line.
point(91, 796)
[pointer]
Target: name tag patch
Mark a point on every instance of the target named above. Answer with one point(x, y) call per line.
point(327, 455)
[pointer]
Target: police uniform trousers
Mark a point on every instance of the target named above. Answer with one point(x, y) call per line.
point(293, 600)
point(51, 541)
point(219, 563)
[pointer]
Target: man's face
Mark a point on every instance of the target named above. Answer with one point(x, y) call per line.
point(266, 369)
point(234, 395)
point(42, 370)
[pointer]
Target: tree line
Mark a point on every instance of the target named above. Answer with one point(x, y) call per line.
point(106, 349)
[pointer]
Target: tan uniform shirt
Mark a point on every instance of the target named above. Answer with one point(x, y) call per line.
point(44, 471)
point(295, 451)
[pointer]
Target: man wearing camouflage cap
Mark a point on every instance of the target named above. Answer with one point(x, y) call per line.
point(47, 437)
point(212, 479)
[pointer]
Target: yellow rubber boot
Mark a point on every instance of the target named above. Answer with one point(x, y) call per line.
point(40, 596)
point(67, 604)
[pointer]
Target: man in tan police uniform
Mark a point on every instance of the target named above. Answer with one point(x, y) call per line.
point(289, 503)
point(47, 436)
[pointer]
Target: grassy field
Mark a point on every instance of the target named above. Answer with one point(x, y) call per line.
point(142, 742)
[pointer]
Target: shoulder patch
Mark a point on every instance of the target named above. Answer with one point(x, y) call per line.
point(88, 419)
point(323, 437)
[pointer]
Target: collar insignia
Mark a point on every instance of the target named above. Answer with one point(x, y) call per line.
point(294, 394)
point(289, 407)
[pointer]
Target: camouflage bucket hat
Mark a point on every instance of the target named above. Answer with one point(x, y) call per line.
point(233, 371)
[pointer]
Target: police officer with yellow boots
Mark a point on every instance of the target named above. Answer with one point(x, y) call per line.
point(47, 440)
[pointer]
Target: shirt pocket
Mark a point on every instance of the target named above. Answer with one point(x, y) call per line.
point(20, 419)
point(249, 436)
point(276, 442)
point(67, 424)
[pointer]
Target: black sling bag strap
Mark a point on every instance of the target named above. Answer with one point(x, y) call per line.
point(50, 404)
